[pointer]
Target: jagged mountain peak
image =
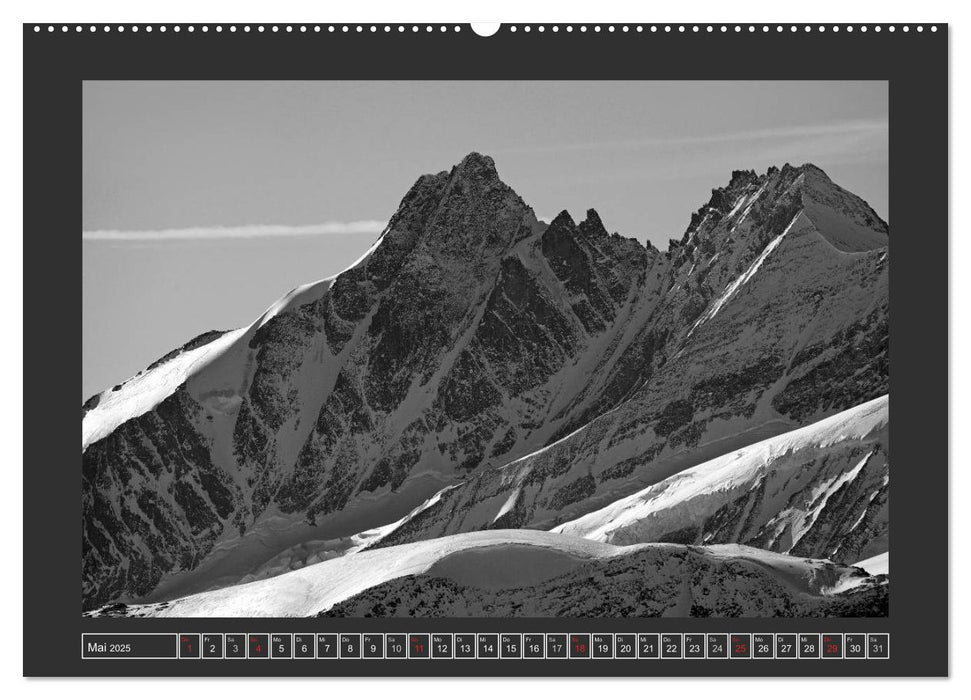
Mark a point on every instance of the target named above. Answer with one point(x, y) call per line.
point(769, 202)
point(590, 228)
point(790, 170)
point(813, 169)
point(721, 203)
point(806, 180)
point(474, 171)
point(476, 167)
point(466, 212)
point(807, 168)
point(474, 180)
point(475, 183)
point(741, 178)
point(845, 220)
point(471, 196)
point(592, 225)
point(562, 220)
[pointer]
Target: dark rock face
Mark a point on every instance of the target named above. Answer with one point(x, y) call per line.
point(474, 335)
point(854, 366)
point(153, 502)
point(521, 320)
point(597, 271)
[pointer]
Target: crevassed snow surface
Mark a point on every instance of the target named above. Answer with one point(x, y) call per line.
point(703, 488)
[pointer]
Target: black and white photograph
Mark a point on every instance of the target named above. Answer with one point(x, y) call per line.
point(485, 349)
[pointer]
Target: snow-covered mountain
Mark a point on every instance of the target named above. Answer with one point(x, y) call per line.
point(819, 491)
point(511, 573)
point(479, 369)
point(783, 334)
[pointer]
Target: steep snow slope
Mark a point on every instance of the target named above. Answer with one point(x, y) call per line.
point(850, 225)
point(505, 568)
point(143, 392)
point(821, 490)
point(876, 565)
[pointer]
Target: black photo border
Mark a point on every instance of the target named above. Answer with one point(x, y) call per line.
point(914, 61)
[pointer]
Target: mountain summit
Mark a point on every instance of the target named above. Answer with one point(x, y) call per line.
point(476, 167)
point(479, 369)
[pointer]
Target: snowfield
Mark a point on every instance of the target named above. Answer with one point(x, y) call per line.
point(146, 390)
point(876, 566)
point(318, 587)
point(504, 563)
point(784, 484)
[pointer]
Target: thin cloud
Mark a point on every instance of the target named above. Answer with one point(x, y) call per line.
point(208, 233)
point(861, 127)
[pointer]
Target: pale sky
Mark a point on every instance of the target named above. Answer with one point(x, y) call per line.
point(205, 201)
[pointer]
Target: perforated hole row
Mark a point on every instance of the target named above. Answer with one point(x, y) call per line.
point(513, 28)
point(291, 28)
